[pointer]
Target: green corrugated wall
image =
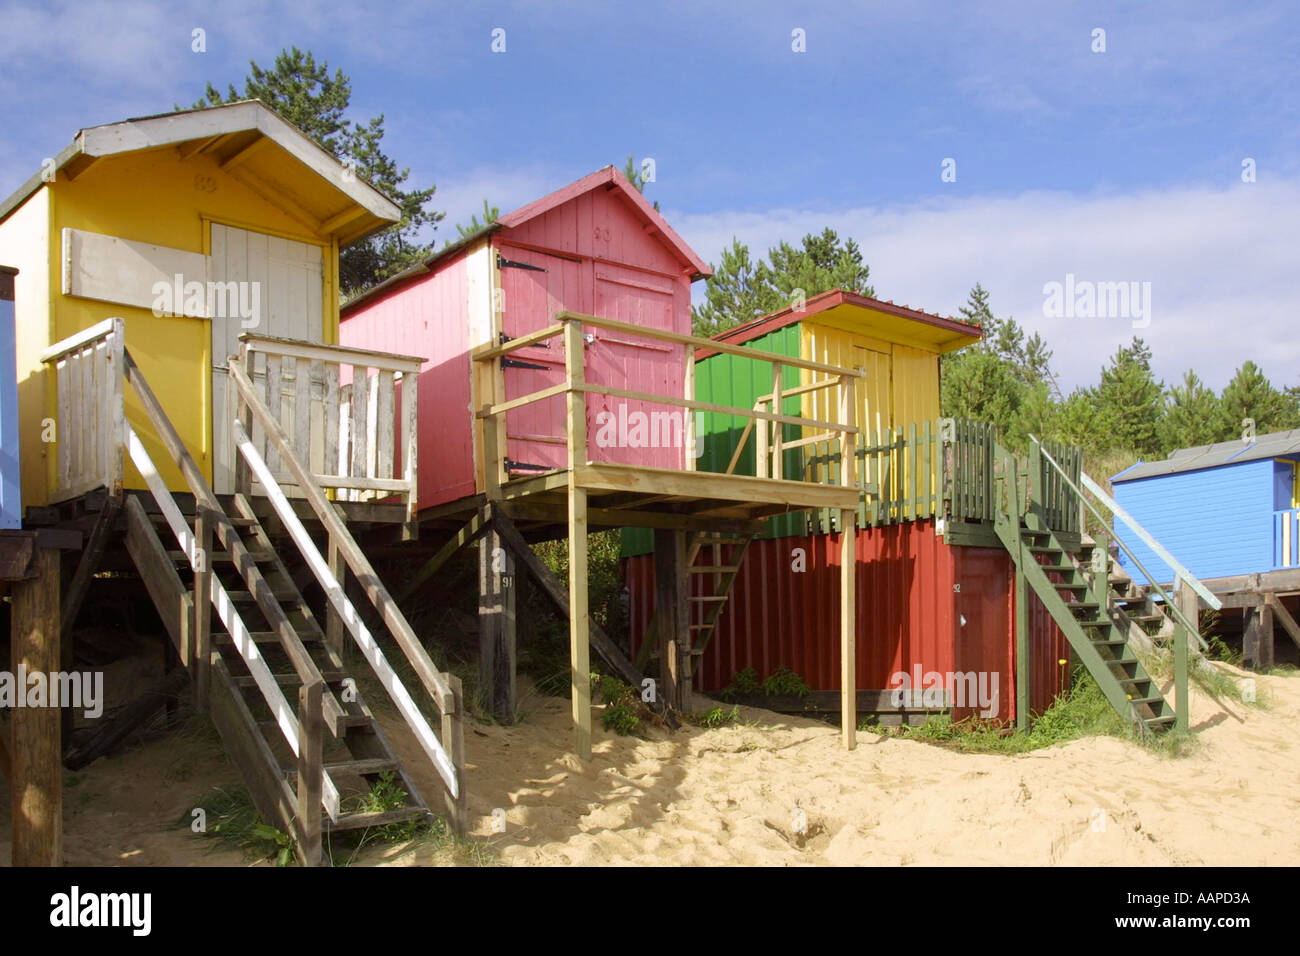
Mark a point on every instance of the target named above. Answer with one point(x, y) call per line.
point(737, 381)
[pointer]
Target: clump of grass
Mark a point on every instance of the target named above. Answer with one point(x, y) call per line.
point(624, 712)
point(784, 682)
point(231, 819)
point(714, 718)
point(1082, 711)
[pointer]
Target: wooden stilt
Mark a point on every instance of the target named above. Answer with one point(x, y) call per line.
point(671, 612)
point(1189, 604)
point(496, 618)
point(579, 647)
point(848, 630)
point(36, 777)
point(1257, 643)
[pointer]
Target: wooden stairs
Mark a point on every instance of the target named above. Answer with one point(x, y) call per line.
point(1080, 606)
point(276, 681)
point(296, 650)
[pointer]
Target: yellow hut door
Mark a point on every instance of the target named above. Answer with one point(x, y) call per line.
point(278, 289)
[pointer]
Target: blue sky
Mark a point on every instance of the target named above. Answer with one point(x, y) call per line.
point(1115, 166)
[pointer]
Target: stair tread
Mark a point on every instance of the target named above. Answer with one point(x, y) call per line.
point(715, 569)
point(329, 677)
point(356, 821)
point(265, 637)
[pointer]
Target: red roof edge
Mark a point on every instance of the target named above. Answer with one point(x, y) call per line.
point(612, 178)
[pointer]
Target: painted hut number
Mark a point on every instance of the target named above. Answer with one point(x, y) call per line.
point(602, 234)
point(205, 184)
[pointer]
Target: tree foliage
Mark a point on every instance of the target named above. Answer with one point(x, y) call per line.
point(743, 288)
point(315, 100)
point(1008, 379)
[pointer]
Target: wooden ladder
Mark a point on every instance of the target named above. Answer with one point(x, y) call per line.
point(724, 555)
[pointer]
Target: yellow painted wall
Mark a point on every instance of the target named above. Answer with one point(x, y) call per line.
point(24, 244)
point(901, 386)
point(149, 197)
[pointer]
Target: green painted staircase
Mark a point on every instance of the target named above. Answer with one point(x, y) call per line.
point(1079, 607)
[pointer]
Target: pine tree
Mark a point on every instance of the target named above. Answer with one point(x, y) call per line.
point(490, 215)
point(634, 174)
point(1250, 395)
point(306, 94)
point(1191, 415)
point(1129, 401)
point(742, 289)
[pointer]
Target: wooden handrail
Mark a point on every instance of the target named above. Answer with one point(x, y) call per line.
point(342, 539)
point(239, 633)
point(1176, 612)
point(337, 354)
point(715, 345)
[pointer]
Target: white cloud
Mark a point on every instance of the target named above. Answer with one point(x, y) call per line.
point(1220, 261)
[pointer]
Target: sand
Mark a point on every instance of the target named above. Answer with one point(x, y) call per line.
point(780, 791)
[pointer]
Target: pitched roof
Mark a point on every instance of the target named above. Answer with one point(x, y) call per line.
point(870, 316)
point(607, 177)
point(293, 171)
point(1272, 445)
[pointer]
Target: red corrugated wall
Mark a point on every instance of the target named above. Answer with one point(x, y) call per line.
point(920, 602)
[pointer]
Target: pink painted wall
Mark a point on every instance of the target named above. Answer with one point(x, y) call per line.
point(594, 254)
point(429, 318)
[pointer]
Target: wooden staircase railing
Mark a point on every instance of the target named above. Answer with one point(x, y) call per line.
point(446, 755)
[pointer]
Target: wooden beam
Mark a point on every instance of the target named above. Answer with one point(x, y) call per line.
point(36, 773)
point(672, 610)
point(475, 528)
point(1284, 616)
point(848, 630)
point(579, 637)
point(245, 154)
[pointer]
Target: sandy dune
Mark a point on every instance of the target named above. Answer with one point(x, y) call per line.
point(733, 795)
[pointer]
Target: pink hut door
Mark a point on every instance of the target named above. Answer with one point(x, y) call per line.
point(534, 286)
point(630, 431)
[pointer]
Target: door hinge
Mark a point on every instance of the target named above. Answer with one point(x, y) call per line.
point(512, 465)
point(516, 363)
point(504, 263)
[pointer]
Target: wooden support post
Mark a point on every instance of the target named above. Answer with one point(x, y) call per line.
point(311, 770)
point(1035, 501)
point(201, 632)
point(1257, 643)
point(691, 451)
point(36, 777)
point(453, 741)
point(496, 623)
point(777, 427)
point(579, 641)
point(848, 630)
point(672, 613)
point(1283, 616)
point(1189, 604)
point(848, 567)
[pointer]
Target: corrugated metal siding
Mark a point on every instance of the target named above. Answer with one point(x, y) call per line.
point(910, 613)
point(1217, 521)
point(430, 318)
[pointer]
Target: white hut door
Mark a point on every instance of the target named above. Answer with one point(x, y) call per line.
point(280, 291)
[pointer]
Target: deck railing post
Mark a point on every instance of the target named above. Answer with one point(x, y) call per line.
point(1189, 604)
point(311, 772)
point(202, 629)
point(579, 646)
point(848, 565)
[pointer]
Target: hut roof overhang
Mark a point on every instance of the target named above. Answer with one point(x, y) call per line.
point(253, 144)
point(1273, 445)
point(859, 313)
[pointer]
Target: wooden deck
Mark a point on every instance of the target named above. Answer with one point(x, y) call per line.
point(628, 496)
